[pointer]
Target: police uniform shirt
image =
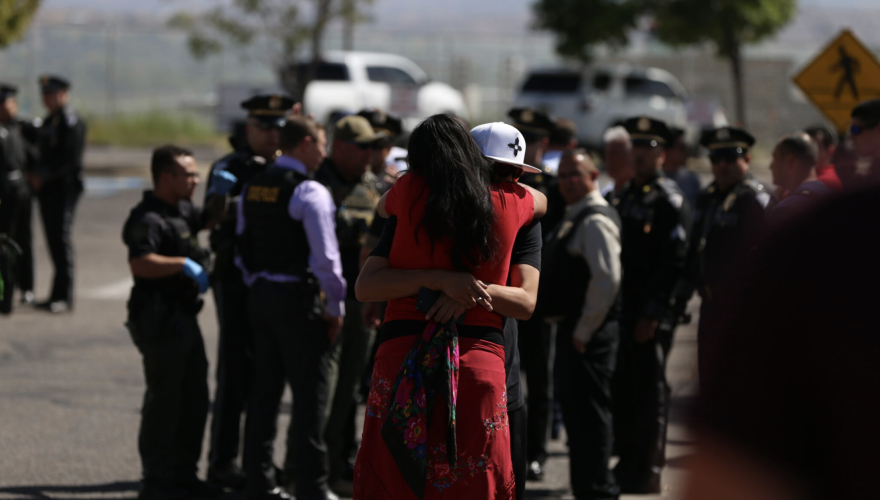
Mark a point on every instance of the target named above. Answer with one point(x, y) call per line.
point(243, 164)
point(727, 225)
point(597, 240)
point(356, 204)
point(155, 227)
point(311, 204)
point(13, 153)
point(526, 250)
point(62, 140)
point(689, 183)
point(655, 216)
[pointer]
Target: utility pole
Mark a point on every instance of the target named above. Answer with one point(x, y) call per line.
point(348, 25)
point(110, 53)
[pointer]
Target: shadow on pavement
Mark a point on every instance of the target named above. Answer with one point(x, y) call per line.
point(553, 493)
point(102, 491)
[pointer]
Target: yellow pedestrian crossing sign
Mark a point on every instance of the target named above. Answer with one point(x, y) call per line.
point(844, 74)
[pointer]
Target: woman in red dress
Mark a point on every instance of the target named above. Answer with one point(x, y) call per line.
point(436, 419)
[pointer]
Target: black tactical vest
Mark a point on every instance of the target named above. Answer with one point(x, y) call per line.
point(566, 277)
point(272, 241)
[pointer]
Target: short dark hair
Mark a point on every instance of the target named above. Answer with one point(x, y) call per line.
point(296, 130)
point(563, 132)
point(801, 146)
point(574, 153)
point(675, 134)
point(868, 112)
point(165, 160)
point(822, 135)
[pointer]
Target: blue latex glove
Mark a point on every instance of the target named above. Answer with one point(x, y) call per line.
point(222, 182)
point(193, 270)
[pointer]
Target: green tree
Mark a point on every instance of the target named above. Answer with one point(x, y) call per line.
point(15, 17)
point(728, 24)
point(579, 25)
point(273, 31)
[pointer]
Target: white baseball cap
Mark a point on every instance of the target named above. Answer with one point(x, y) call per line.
point(502, 143)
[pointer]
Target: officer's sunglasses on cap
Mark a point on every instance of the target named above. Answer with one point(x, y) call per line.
point(728, 156)
point(855, 130)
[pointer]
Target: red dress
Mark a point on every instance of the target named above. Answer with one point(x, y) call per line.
point(482, 468)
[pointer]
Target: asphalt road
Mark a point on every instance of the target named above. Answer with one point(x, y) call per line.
point(71, 385)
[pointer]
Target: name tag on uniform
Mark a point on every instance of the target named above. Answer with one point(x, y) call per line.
point(262, 194)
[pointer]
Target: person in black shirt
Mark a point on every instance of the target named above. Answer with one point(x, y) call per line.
point(235, 351)
point(170, 273)
point(16, 155)
point(58, 184)
point(655, 217)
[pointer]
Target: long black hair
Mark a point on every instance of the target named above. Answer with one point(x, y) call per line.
point(459, 205)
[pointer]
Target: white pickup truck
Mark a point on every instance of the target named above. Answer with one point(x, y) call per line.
point(346, 82)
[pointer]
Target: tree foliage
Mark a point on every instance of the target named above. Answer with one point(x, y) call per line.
point(729, 24)
point(15, 17)
point(272, 31)
point(581, 24)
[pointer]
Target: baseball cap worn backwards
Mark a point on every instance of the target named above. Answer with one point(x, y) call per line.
point(503, 143)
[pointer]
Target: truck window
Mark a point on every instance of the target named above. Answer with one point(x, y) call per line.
point(552, 82)
point(639, 86)
point(386, 74)
point(334, 72)
point(601, 81)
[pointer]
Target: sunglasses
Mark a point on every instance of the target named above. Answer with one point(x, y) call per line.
point(855, 130)
point(266, 126)
point(727, 157)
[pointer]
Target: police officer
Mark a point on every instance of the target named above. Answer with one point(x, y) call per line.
point(655, 216)
point(386, 160)
point(675, 166)
point(618, 162)
point(58, 184)
point(864, 130)
point(794, 172)
point(169, 270)
point(536, 343)
point(343, 173)
point(16, 155)
point(266, 115)
point(728, 220)
point(579, 291)
point(289, 256)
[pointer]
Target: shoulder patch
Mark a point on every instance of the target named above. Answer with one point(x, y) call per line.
point(672, 191)
point(763, 198)
point(71, 118)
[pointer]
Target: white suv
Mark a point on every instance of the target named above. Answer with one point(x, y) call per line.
point(346, 82)
point(603, 95)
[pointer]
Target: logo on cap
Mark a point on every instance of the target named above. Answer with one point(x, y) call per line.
point(723, 134)
point(644, 124)
point(515, 147)
point(274, 102)
point(527, 116)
